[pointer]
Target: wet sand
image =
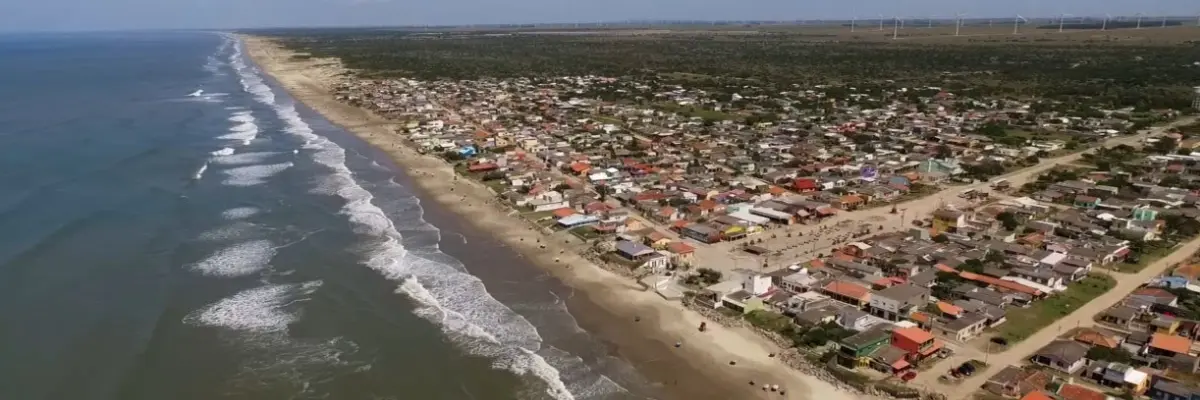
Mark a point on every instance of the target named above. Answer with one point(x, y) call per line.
point(606, 304)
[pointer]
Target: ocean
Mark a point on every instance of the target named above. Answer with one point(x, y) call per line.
point(174, 226)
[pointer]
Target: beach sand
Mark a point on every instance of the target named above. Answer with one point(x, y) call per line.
point(699, 369)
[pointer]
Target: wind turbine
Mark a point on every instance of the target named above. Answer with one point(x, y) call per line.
point(1139, 21)
point(1104, 26)
point(929, 21)
point(852, 21)
point(881, 22)
point(958, 22)
point(1164, 21)
point(896, 27)
point(1017, 23)
point(1061, 18)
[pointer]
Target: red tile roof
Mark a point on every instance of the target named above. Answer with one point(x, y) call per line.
point(1072, 391)
point(949, 309)
point(1037, 395)
point(680, 248)
point(848, 289)
point(804, 184)
point(913, 334)
point(564, 212)
point(1172, 343)
point(1010, 285)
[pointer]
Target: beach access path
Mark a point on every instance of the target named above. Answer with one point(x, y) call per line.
point(710, 353)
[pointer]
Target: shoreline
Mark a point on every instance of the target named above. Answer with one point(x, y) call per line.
point(663, 322)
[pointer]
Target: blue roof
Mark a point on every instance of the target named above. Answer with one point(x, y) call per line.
point(632, 248)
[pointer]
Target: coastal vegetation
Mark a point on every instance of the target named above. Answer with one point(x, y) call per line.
point(1066, 74)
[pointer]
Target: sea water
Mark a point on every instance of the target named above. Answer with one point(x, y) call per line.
point(175, 226)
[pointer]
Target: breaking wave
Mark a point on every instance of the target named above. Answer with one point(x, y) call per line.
point(253, 175)
point(239, 213)
point(446, 294)
point(236, 260)
point(244, 127)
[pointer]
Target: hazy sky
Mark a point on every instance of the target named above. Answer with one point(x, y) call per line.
point(40, 15)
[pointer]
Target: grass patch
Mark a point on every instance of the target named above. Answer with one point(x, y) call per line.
point(1023, 322)
point(584, 232)
point(1145, 259)
point(693, 111)
point(538, 215)
point(769, 320)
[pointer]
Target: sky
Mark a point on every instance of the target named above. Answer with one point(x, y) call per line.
point(86, 15)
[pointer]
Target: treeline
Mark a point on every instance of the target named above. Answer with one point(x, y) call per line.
point(1145, 77)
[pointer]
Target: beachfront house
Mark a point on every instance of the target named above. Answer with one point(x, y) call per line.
point(897, 302)
point(641, 256)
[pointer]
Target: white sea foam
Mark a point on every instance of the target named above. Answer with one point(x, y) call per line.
point(244, 158)
point(236, 260)
point(200, 172)
point(448, 296)
point(253, 175)
point(239, 213)
point(227, 151)
point(235, 231)
point(259, 310)
point(244, 127)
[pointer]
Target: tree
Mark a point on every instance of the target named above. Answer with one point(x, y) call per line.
point(943, 151)
point(1117, 355)
point(972, 265)
point(940, 238)
point(602, 191)
point(1008, 220)
point(1164, 145)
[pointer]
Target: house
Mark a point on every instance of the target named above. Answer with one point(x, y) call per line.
point(897, 302)
point(682, 254)
point(1165, 389)
point(546, 201)
point(1063, 355)
point(1086, 202)
point(847, 292)
point(856, 350)
point(805, 185)
point(1014, 382)
point(1155, 296)
point(889, 359)
point(755, 289)
point(947, 220)
point(1123, 377)
point(1037, 395)
point(656, 240)
point(916, 342)
point(1094, 337)
point(1166, 345)
point(964, 328)
point(855, 319)
point(1124, 317)
point(849, 202)
point(1071, 391)
point(701, 233)
point(642, 256)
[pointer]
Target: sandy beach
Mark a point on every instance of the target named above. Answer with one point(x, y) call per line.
point(662, 324)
